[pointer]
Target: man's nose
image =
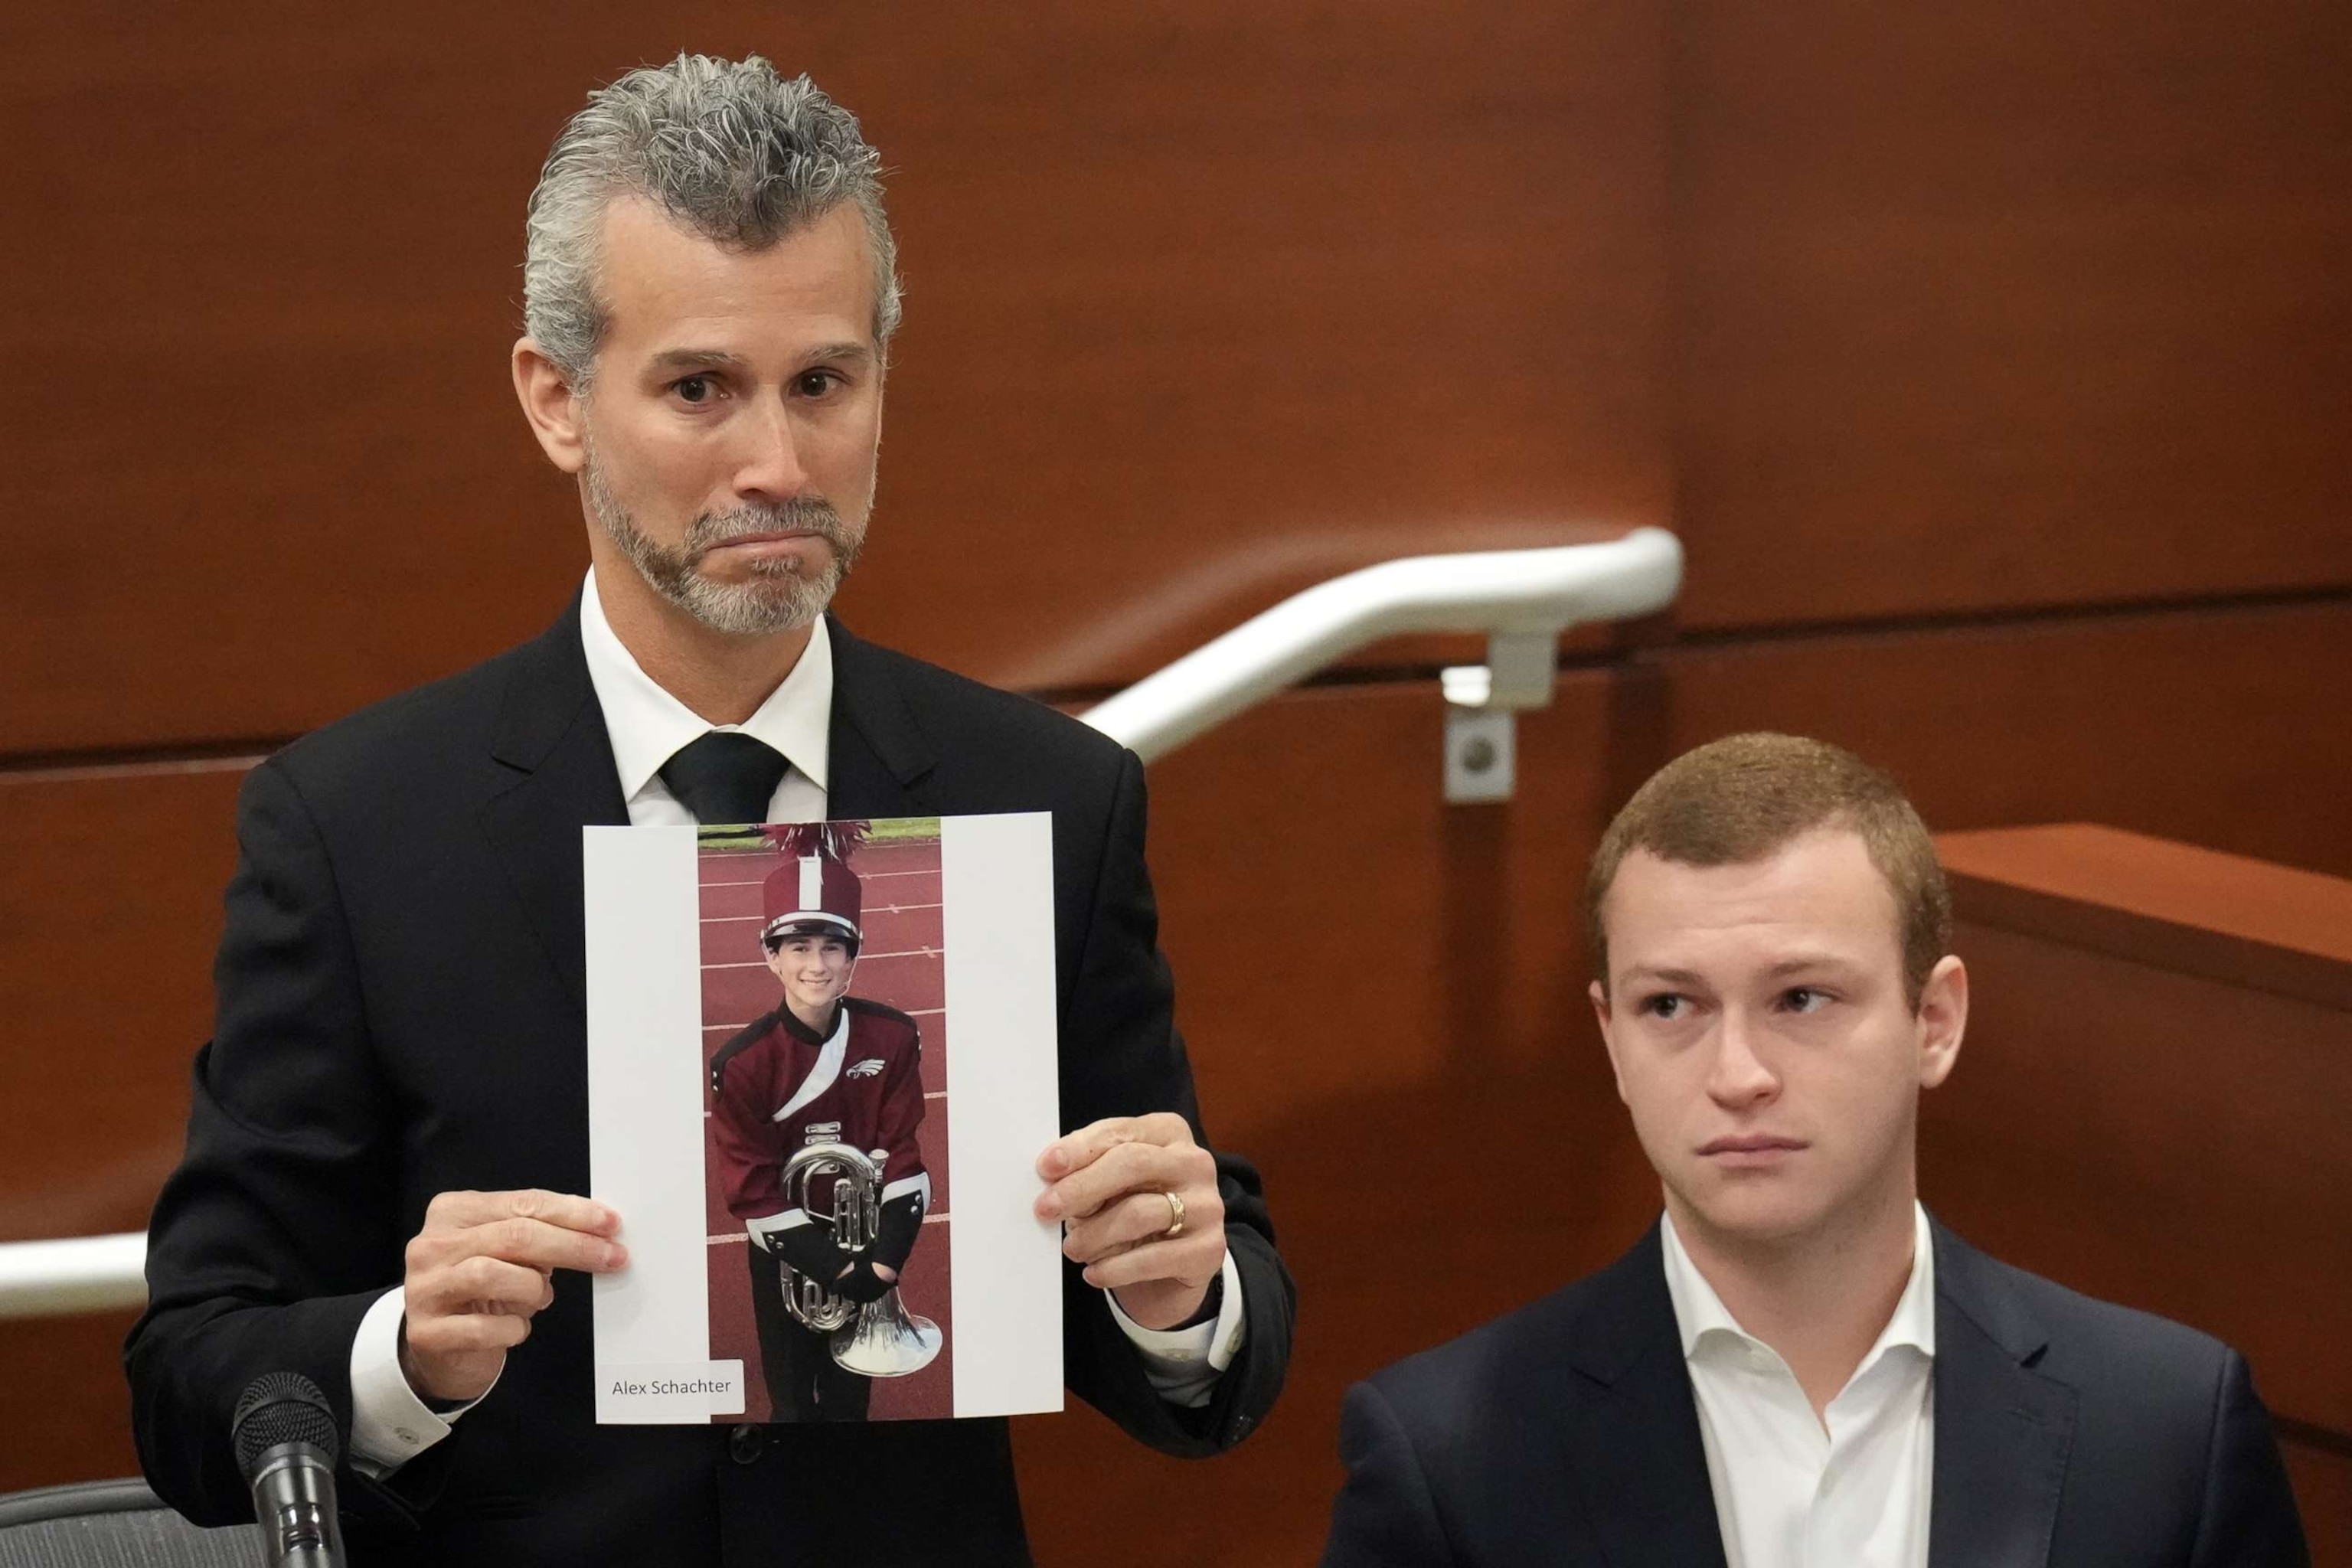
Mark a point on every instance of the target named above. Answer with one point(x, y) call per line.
point(769, 463)
point(1739, 1077)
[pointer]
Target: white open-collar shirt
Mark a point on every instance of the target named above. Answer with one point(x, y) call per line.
point(1790, 1491)
point(647, 725)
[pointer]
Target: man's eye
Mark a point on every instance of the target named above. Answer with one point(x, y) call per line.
point(696, 389)
point(816, 383)
point(1805, 999)
point(1664, 1006)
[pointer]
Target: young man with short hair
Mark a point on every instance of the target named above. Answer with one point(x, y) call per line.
point(1796, 1366)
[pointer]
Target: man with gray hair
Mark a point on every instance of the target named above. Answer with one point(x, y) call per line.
point(384, 1186)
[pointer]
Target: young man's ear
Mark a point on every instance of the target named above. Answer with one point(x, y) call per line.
point(1602, 1014)
point(1943, 1019)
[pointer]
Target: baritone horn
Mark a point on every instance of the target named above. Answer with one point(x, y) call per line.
point(881, 1338)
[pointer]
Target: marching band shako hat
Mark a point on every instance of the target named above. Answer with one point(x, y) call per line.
point(813, 895)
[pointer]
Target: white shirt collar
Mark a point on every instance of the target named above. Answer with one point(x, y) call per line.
point(1699, 1312)
point(647, 725)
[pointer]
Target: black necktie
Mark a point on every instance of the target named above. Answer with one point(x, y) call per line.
point(725, 776)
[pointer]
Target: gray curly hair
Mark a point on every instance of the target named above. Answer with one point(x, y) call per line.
point(730, 149)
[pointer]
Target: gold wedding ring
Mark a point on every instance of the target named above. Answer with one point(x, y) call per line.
point(1175, 1216)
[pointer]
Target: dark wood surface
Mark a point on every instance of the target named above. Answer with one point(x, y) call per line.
point(2001, 305)
point(108, 914)
point(2221, 726)
point(2247, 923)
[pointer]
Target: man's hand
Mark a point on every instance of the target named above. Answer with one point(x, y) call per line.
point(1108, 1181)
point(483, 1266)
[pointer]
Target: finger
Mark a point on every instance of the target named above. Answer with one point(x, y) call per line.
point(1190, 1259)
point(480, 1283)
point(461, 1210)
point(1135, 1218)
point(531, 1243)
point(433, 1339)
point(1076, 1150)
point(1130, 1167)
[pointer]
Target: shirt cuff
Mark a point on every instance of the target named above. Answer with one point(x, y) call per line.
point(1182, 1365)
point(390, 1425)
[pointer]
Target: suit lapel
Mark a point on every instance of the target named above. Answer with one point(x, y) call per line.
point(881, 763)
point(1634, 1440)
point(557, 776)
point(2003, 1429)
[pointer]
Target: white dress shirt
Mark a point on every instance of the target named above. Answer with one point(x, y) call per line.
point(1788, 1493)
point(647, 725)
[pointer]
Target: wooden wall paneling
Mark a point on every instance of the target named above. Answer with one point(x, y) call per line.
point(2323, 1494)
point(61, 1388)
point(2223, 728)
point(108, 915)
point(2001, 305)
point(1203, 306)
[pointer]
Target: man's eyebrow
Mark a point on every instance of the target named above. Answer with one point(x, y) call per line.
point(691, 359)
point(1671, 976)
point(850, 351)
point(722, 359)
point(1805, 961)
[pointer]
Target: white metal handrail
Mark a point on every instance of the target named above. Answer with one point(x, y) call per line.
point(1501, 593)
point(1520, 597)
point(85, 1274)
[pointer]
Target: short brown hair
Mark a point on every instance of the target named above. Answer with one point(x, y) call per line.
point(1744, 798)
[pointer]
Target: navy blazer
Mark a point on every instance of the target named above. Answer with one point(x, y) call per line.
point(2069, 1434)
point(401, 989)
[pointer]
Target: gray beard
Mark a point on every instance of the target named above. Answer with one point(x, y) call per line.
point(776, 598)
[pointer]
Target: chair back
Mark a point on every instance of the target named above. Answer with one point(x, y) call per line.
point(113, 1524)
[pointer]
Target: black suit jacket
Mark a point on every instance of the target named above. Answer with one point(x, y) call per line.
point(2069, 1434)
point(401, 1013)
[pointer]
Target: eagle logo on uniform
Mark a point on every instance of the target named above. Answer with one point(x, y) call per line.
point(867, 1068)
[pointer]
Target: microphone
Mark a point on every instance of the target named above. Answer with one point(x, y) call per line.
point(285, 1446)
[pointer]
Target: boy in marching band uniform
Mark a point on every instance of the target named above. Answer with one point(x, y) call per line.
point(823, 1067)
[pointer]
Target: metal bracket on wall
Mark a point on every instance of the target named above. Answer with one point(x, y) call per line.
point(1482, 705)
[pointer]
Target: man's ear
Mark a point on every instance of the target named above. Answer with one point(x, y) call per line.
point(551, 407)
point(1943, 1019)
point(1606, 1018)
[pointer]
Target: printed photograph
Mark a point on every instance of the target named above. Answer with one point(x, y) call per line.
point(825, 1157)
point(792, 1032)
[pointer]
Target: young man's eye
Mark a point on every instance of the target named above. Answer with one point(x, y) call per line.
point(1805, 999)
point(1666, 1005)
point(695, 389)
